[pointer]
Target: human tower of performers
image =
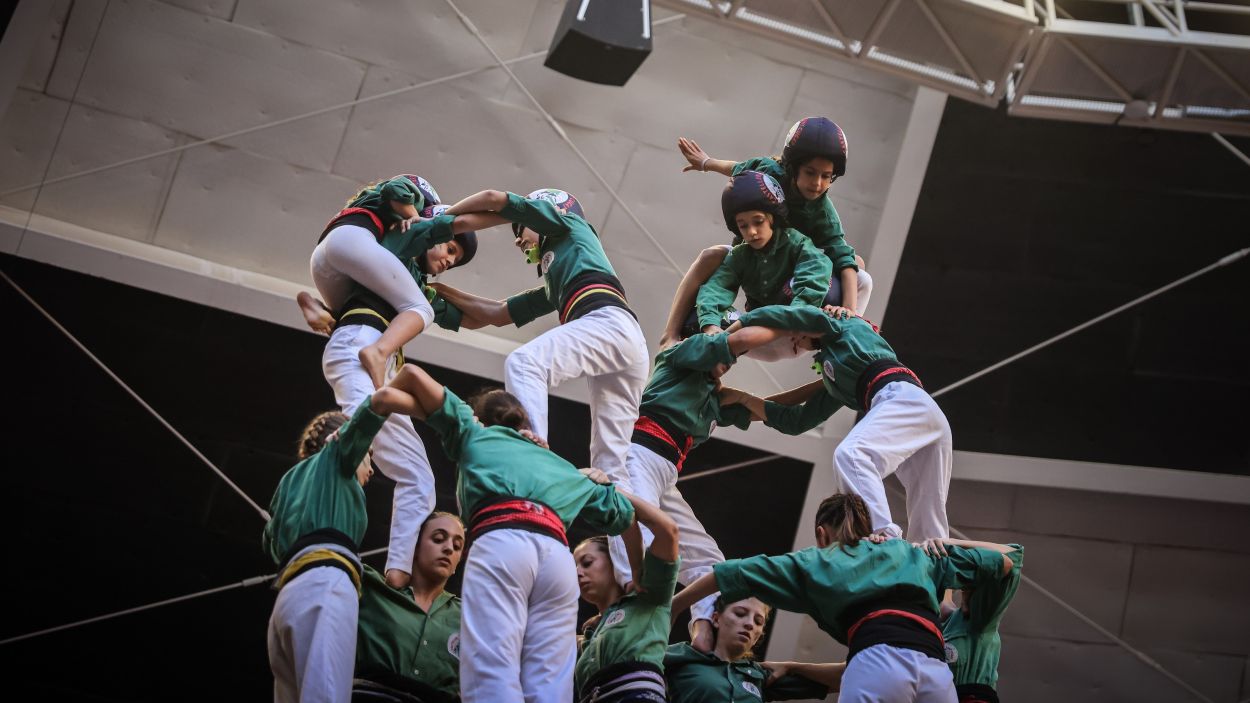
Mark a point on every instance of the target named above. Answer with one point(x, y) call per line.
point(341, 629)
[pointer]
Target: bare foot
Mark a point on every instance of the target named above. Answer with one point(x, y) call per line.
point(316, 314)
point(397, 579)
point(374, 361)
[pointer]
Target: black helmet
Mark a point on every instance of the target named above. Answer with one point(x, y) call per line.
point(752, 190)
point(466, 240)
point(811, 137)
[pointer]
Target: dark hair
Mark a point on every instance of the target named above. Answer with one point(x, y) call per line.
point(846, 517)
point(598, 540)
point(313, 438)
point(499, 407)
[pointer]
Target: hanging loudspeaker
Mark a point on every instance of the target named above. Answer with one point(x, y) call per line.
point(603, 41)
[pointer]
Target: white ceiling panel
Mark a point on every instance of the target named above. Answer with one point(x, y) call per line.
point(221, 9)
point(240, 209)
point(27, 134)
point(478, 143)
point(124, 201)
point(686, 82)
point(234, 78)
point(79, 34)
point(421, 37)
point(39, 66)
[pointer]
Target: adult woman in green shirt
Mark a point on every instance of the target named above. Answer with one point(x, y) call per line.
point(408, 638)
point(879, 598)
point(620, 656)
point(729, 674)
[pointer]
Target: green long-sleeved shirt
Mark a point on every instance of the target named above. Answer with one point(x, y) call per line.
point(828, 583)
point(815, 218)
point(321, 492)
point(696, 677)
point(847, 347)
point(497, 462)
point(396, 638)
point(763, 274)
point(973, 646)
point(682, 394)
point(635, 628)
point(568, 248)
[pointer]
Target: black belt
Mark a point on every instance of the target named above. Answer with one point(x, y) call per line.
point(975, 693)
point(877, 375)
point(592, 291)
point(910, 627)
point(625, 681)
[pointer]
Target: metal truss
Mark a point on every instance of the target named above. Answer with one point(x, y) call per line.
point(1170, 64)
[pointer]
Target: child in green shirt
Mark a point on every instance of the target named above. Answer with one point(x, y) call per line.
point(813, 156)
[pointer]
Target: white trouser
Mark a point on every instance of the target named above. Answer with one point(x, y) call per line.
point(350, 253)
point(312, 637)
point(784, 348)
point(607, 347)
point(397, 448)
point(654, 479)
point(904, 431)
point(885, 674)
point(518, 623)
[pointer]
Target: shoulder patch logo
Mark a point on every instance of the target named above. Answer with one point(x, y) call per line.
point(752, 689)
point(774, 189)
point(453, 645)
point(952, 654)
point(547, 260)
point(828, 369)
point(551, 195)
point(616, 618)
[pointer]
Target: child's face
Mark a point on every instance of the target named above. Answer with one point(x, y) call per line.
point(756, 228)
point(814, 177)
point(527, 240)
point(442, 257)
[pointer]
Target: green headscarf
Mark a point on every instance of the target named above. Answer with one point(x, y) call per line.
point(376, 199)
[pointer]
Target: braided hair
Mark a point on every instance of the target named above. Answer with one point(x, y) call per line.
point(314, 436)
point(499, 407)
point(846, 517)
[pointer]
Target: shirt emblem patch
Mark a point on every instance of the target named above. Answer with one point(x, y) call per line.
point(547, 260)
point(453, 645)
point(828, 369)
point(752, 689)
point(616, 618)
point(952, 654)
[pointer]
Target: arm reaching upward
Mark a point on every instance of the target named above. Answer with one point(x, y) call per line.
point(700, 161)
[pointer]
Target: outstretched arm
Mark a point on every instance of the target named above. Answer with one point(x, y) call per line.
point(937, 547)
point(700, 161)
point(475, 307)
point(483, 201)
point(477, 221)
point(748, 338)
point(827, 675)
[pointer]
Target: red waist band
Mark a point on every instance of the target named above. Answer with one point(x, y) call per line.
point(927, 624)
point(648, 426)
point(519, 513)
point(887, 372)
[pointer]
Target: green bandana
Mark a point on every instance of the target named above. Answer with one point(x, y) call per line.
point(376, 199)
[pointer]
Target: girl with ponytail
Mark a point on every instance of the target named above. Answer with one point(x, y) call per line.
point(517, 628)
point(878, 597)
